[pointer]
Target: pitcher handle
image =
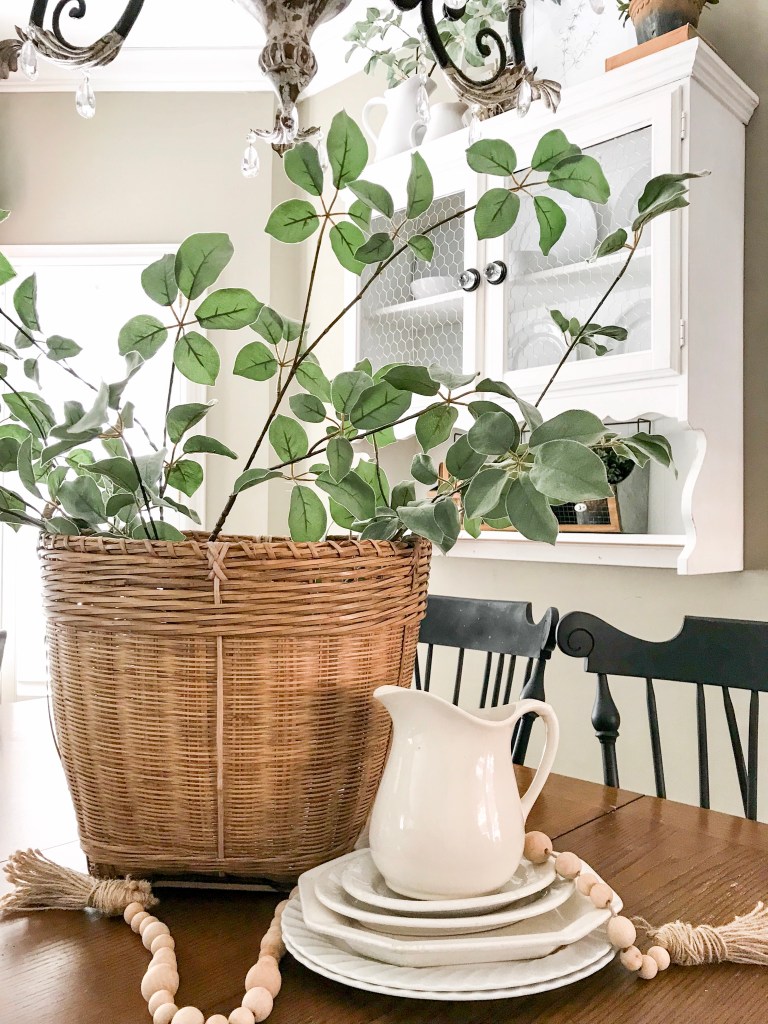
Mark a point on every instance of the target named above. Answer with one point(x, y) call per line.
point(544, 711)
point(377, 101)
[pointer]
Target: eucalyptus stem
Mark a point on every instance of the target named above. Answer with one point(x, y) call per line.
point(143, 490)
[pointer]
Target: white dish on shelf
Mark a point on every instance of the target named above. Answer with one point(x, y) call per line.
point(576, 243)
point(331, 894)
point(526, 940)
point(503, 980)
point(540, 343)
point(430, 287)
point(362, 880)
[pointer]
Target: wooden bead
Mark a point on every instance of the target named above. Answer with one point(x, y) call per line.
point(217, 1018)
point(272, 945)
point(280, 908)
point(631, 958)
point(621, 932)
point(164, 1014)
point(264, 974)
point(648, 969)
point(294, 892)
point(160, 997)
point(137, 919)
point(131, 910)
point(188, 1015)
point(152, 932)
point(538, 847)
point(601, 895)
point(157, 978)
point(164, 956)
point(661, 956)
point(242, 1015)
point(162, 942)
point(146, 922)
point(567, 865)
point(259, 1001)
point(584, 883)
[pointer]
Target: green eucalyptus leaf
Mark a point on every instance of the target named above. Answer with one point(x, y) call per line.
point(423, 247)
point(340, 515)
point(159, 530)
point(150, 468)
point(496, 212)
point(479, 408)
point(347, 388)
point(32, 411)
point(133, 363)
point(492, 156)
point(182, 418)
point(374, 195)
point(288, 438)
point(664, 187)
point(352, 493)
point(270, 326)
point(302, 167)
point(24, 467)
point(379, 406)
point(568, 471)
point(256, 362)
point(81, 499)
point(307, 408)
point(614, 242)
point(581, 176)
point(200, 443)
point(420, 190)
point(551, 220)
point(403, 492)
point(228, 309)
point(185, 476)
point(448, 520)
point(61, 348)
point(678, 202)
point(25, 303)
point(530, 513)
point(307, 518)
point(293, 221)
point(119, 470)
point(22, 340)
point(484, 492)
point(381, 529)
point(552, 149)
point(360, 214)
point(530, 413)
point(9, 453)
point(434, 425)
point(346, 239)
point(159, 280)
point(252, 477)
point(420, 519)
point(196, 358)
point(449, 379)
point(347, 150)
point(32, 370)
point(372, 473)
point(199, 262)
point(415, 379)
point(574, 425)
point(493, 433)
point(340, 455)
point(377, 248)
point(423, 469)
point(462, 461)
point(654, 446)
point(7, 273)
point(312, 379)
point(118, 501)
point(143, 334)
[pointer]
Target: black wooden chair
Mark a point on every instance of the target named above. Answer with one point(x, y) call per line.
point(504, 629)
point(723, 653)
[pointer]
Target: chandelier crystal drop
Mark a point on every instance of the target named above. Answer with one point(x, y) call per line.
point(85, 98)
point(251, 163)
point(28, 60)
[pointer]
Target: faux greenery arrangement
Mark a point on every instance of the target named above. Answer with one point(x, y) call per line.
point(98, 471)
point(381, 35)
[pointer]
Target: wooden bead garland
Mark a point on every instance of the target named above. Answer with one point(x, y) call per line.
point(161, 981)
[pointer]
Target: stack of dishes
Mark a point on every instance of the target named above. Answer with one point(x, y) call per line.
point(535, 933)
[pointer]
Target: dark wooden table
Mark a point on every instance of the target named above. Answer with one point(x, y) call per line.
point(667, 860)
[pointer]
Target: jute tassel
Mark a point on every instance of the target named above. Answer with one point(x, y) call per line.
point(743, 941)
point(43, 885)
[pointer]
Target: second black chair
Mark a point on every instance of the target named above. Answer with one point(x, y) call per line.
point(504, 629)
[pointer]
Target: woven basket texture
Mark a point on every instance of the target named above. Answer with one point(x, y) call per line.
point(212, 702)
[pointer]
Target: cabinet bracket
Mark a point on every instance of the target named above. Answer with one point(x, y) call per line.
point(683, 125)
point(683, 333)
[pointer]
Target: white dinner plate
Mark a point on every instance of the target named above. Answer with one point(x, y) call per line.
point(331, 894)
point(362, 880)
point(467, 982)
point(526, 940)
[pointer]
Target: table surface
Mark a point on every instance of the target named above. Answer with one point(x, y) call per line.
point(666, 860)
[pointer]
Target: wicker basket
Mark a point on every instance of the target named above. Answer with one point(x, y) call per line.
point(213, 703)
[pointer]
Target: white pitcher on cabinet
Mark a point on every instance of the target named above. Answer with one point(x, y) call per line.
point(448, 821)
point(401, 116)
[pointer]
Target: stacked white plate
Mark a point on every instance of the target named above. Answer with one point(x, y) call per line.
point(534, 934)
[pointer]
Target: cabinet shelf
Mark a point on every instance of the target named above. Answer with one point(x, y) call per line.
point(445, 308)
point(648, 550)
point(594, 272)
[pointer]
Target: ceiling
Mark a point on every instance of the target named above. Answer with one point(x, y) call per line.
point(181, 45)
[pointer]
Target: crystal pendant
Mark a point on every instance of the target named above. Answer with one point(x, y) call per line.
point(250, 165)
point(28, 60)
point(85, 100)
point(423, 112)
point(322, 153)
point(524, 98)
point(474, 128)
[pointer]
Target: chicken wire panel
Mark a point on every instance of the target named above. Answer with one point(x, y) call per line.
point(414, 312)
point(563, 280)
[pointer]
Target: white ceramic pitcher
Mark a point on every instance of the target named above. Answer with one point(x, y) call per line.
point(448, 821)
point(401, 117)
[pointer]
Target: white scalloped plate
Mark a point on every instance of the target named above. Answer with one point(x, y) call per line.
point(526, 940)
point(469, 982)
point(331, 894)
point(362, 880)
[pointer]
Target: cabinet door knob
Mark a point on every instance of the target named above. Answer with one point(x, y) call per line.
point(470, 279)
point(496, 272)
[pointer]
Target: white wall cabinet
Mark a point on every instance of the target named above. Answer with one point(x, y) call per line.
point(681, 365)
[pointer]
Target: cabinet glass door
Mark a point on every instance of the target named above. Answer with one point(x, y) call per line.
point(414, 312)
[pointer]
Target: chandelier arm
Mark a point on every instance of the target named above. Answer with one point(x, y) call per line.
point(483, 40)
point(56, 47)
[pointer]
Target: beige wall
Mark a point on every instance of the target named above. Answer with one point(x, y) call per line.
point(648, 602)
point(149, 168)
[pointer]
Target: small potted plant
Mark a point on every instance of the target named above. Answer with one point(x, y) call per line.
point(653, 18)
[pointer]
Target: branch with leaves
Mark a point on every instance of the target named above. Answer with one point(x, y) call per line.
point(510, 467)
